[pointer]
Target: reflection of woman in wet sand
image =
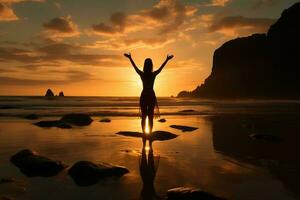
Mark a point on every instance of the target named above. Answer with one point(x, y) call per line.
point(148, 101)
point(148, 171)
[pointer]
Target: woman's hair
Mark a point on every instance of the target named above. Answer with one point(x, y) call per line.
point(148, 65)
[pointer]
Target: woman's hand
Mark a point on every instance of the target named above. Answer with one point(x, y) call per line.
point(169, 57)
point(127, 55)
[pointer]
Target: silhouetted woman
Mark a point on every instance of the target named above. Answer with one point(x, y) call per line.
point(148, 99)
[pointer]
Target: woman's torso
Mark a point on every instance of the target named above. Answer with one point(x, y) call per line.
point(148, 81)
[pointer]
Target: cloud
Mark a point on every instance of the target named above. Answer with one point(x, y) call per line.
point(233, 25)
point(125, 43)
point(166, 16)
point(60, 27)
point(220, 2)
point(265, 3)
point(57, 54)
point(6, 13)
point(18, 1)
point(71, 76)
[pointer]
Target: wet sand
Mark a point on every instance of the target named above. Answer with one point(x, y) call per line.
point(218, 157)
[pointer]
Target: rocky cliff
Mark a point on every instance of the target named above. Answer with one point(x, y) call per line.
point(258, 66)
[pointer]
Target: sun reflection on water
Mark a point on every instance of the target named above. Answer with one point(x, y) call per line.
point(147, 129)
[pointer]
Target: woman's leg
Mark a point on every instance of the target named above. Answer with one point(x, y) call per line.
point(144, 115)
point(150, 117)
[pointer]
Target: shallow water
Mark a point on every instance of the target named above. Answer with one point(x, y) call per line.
point(219, 157)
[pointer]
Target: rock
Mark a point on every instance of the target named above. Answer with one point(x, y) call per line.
point(155, 136)
point(106, 120)
point(61, 94)
point(266, 137)
point(161, 136)
point(186, 111)
point(31, 116)
point(86, 173)
point(184, 128)
point(54, 123)
point(162, 120)
point(187, 193)
point(77, 119)
point(130, 133)
point(257, 66)
point(31, 164)
point(49, 93)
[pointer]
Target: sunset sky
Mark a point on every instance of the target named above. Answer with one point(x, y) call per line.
point(77, 46)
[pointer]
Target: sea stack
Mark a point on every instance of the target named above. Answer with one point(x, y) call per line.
point(61, 94)
point(49, 93)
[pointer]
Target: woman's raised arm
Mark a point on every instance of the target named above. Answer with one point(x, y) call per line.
point(128, 55)
point(169, 57)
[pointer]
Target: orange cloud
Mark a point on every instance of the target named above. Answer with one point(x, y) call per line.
point(236, 25)
point(124, 43)
point(219, 2)
point(6, 13)
point(166, 16)
point(60, 27)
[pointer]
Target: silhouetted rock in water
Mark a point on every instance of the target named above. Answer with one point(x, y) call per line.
point(184, 128)
point(266, 137)
point(130, 133)
point(162, 120)
point(61, 94)
point(31, 164)
point(49, 93)
point(86, 173)
point(54, 123)
point(31, 116)
point(184, 111)
point(187, 193)
point(161, 136)
point(258, 66)
point(77, 119)
point(106, 120)
point(154, 136)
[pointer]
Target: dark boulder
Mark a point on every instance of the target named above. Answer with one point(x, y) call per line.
point(31, 164)
point(105, 120)
point(186, 111)
point(86, 173)
point(187, 193)
point(31, 116)
point(162, 120)
point(49, 93)
point(54, 123)
point(154, 136)
point(77, 119)
point(61, 94)
point(184, 128)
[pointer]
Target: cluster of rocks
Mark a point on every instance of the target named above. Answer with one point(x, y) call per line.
point(67, 121)
point(50, 94)
point(84, 173)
